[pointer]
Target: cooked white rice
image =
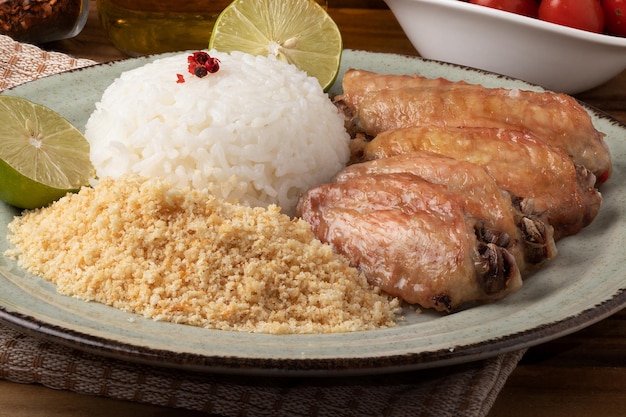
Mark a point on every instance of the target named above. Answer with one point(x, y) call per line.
point(257, 132)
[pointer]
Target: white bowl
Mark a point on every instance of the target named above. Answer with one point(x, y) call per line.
point(556, 57)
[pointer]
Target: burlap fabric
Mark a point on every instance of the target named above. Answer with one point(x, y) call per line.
point(467, 390)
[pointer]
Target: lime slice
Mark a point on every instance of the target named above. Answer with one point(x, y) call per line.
point(299, 32)
point(42, 156)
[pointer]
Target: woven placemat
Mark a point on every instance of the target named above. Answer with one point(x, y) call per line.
point(22, 62)
point(467, 390)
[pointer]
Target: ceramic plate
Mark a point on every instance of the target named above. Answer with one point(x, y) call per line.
point(584, 284)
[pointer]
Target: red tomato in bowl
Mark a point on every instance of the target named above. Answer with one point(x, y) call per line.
point(615, 16)
point(580, 14)
point(523, 7)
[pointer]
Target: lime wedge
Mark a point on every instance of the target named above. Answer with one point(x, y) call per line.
point(299, 32)
point(42, 156)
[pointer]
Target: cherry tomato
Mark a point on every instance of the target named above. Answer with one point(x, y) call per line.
point(523, 7)
point(615, 16)
point(580, 14)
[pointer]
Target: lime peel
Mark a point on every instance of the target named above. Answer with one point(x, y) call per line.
point(42, 156)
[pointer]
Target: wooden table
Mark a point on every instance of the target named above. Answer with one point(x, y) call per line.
point(583, 374)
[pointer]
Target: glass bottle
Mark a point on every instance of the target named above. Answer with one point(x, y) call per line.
point(42, 21)
point(140, 27)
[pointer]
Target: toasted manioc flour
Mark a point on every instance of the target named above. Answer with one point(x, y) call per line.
point(184, 256)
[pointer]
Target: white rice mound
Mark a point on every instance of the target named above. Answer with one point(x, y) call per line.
point(257, 132)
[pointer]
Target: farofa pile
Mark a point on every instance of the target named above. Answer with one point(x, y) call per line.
point(186, 257)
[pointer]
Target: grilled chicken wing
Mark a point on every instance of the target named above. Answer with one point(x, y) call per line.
point(525, 235)
point(412, 238)
point(357, 84)
point(544, 176)
point(376, 103)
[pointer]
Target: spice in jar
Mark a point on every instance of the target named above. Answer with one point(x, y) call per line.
point(39, 21)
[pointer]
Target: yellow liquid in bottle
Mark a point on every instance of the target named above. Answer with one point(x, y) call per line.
point(141, 27)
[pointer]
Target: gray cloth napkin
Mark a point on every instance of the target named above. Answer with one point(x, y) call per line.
point(467, 390)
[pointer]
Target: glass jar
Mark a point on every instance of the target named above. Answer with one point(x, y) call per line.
point(140, 27)
point(40, 21)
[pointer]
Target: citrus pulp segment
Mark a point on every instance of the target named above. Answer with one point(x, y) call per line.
point(299, 32)
point(42, 156)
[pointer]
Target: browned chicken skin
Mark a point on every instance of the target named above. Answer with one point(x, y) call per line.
point(455, 190)
point(527, 236)
point(377, 103)
point(542, 175)
point(412, 238)
point(357, 84)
